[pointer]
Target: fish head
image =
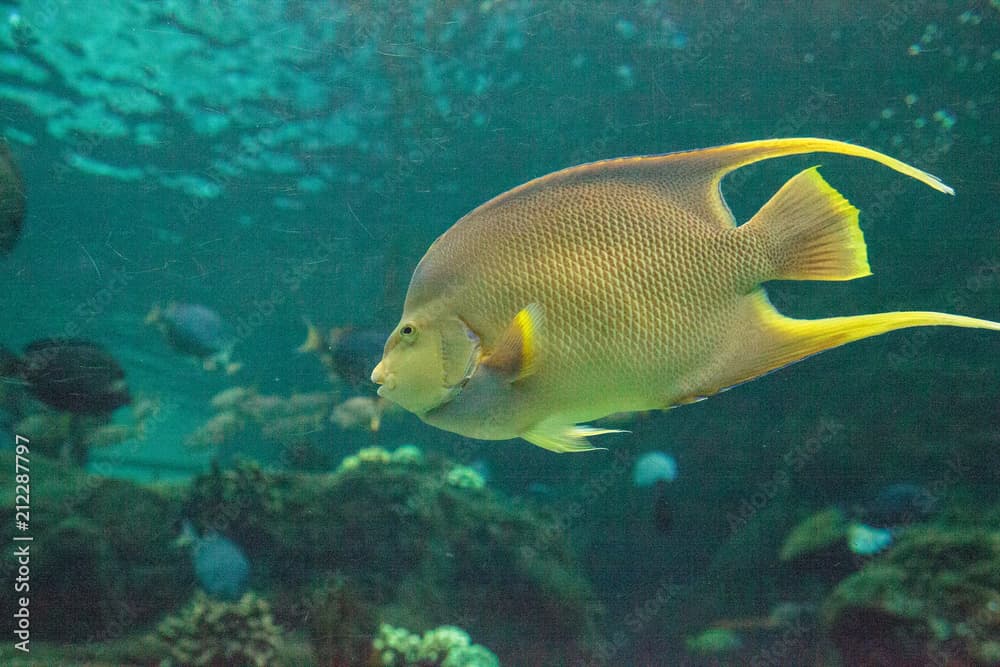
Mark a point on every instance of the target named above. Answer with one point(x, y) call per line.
point(426, 362)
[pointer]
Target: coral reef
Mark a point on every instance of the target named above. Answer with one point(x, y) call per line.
point(415, 541)
point(105, 552)
point(278, 418)
point(446, 646)
point(213, 632)
point(714, 641)
point(240, 502)
point(933, 599)
point(70, 437)
point(422, 551)
point(819, 532)
point(80, 585)
point(340, 624)
point(465, 477)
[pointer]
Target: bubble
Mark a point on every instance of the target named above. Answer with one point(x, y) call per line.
point(945, 118)
point(625, 75)
point(970, 17)
point(626, 29)
point(887, 113)
point(311, 184)
point(914, 50)
point(919, 122)
point(911, 99)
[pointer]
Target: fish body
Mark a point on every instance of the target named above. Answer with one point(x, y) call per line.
point(898, 505)
point(197, 331)
point(349, 352)
point(221, 567)
point(620, 286)
point(73, 375)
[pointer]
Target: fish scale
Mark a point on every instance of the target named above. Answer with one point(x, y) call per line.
point(624, 285)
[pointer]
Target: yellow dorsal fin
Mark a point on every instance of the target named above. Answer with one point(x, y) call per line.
point(721, 160)
point(769, 340)
point(694, 176)
point(809, 232)
point(516, 354)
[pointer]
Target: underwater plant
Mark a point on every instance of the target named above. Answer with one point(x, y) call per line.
point(210, 632)
point(340, 623)
point(933, 599)
point(817, 533)
point(240, 501)
point(446, 646)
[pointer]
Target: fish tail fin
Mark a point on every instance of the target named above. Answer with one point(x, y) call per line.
point(809, 231)
point(775, 340)
point(314, 338)
point(154, 316)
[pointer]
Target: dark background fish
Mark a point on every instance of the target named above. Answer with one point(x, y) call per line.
point(349, 352)
point(73, 375)
point(12, 200)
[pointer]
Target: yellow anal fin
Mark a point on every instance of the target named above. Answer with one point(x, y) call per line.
point(771, 340)
point(809, 231)
point(516, 354)
point(561, 438)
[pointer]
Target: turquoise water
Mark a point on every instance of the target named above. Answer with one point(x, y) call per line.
point(288, 161)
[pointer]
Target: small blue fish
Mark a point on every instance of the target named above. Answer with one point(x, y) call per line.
point(898, 504)
point(197, 331)
point(221, 567)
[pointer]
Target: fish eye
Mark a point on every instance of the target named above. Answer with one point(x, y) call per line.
point(408, 331)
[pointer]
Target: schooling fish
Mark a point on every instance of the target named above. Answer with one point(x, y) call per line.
point(624, 285)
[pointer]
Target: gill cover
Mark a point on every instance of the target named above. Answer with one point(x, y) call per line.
point(425, 369)
point(459, 353)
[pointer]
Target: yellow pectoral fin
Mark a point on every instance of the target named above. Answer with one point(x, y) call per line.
point(516, 355)
point(561, 438)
